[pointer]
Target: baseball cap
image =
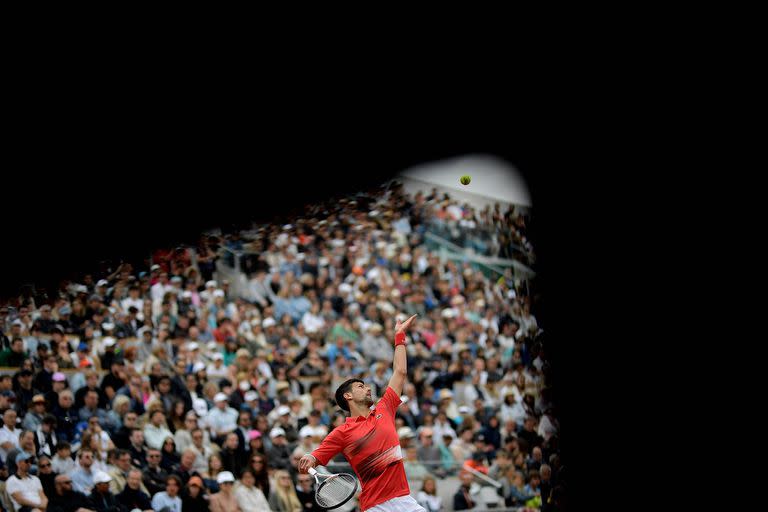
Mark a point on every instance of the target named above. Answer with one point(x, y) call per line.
point(220, 397)
point(276, 432)
point(283, 410)
point(225, 476)
point(101, 478)
point(23, 456)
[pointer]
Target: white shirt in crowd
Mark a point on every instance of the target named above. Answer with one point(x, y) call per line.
point(216, 419)
point(63, 465)
point(429, 502)
point(250, 499)
point(8, 436)
point(158, 290)
point(29, 487)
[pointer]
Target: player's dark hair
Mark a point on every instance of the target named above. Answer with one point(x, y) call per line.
point(344, 388)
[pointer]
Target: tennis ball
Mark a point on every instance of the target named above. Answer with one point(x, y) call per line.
point(465, 179)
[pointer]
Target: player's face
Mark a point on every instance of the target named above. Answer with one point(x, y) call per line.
point(361, 394)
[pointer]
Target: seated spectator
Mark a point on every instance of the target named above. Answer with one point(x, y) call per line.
point(279, 454)
point(248, 496)
point(65, 499)
point(193, 499)
point(225, 500)
point(155, 477)
point(26, 446)
point(283, 497)
point(82, 476)
point(169, 500)
point(186, 470)
point(133, 496)
point(232, 459)
point(414, 469)
point(62, 461)
point(305, 491)
point(102, 498)
point(156, 431)
point(9, 434)
point(91, 408)
point(170, 454)
point(47, 475)
point(24, 489)
point(137, 449)
point(121, 472)
point(464, 499)
point(34, 417)
point(427, 497)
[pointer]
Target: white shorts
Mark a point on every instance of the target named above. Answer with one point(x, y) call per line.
point(399, 504)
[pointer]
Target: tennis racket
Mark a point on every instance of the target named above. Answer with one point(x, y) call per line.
point(333, 490)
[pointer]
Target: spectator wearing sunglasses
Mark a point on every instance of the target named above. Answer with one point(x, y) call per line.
point(66, 499)
point(24, 489)
point(47, 475)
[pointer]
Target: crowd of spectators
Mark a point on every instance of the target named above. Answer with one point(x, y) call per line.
point(153, 385)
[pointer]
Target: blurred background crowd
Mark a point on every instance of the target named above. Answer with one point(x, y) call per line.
point(196, 378)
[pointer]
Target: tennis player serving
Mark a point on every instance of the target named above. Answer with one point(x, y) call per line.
point(369, 439)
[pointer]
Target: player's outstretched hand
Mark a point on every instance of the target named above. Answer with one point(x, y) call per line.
point(404, 326)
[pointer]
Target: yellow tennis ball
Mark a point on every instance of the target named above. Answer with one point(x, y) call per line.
point(465, 179)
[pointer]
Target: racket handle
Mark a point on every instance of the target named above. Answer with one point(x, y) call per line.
point(312, 471)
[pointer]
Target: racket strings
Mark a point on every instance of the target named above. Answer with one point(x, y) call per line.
point(335, 490)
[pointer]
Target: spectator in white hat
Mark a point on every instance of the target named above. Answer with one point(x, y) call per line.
point(279, 455)
point(222, 419)
point(224, 500)
point(103, 499)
